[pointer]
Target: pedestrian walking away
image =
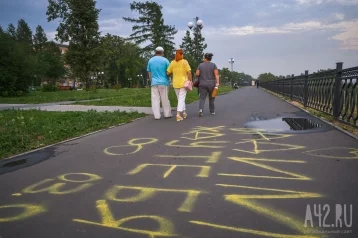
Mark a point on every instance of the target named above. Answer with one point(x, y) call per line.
point(157, 74)
point(257, 83)
point(181, 71)
point(209, 81)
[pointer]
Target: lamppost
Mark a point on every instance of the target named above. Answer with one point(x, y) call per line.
point(231, 61)
point(199, 24)
point(140, 75)
point(130, 82)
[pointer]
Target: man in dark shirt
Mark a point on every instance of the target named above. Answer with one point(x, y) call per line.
point(208, 79)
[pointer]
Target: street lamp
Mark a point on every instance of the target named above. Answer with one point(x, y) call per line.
point(231, 61)
point(199, 25)
point(140, 75)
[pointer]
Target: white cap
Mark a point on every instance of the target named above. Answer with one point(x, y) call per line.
point(159, 49)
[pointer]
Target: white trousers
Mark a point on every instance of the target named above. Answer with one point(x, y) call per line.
point(181, 95)
point(160, 93)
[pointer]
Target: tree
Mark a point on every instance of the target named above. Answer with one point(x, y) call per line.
point(79, 27)
point(225, 75)
point(1, 30)
point(11, 31)
point(23, 32)
point(40, 38)
point(266, 77)
point(187, 44)
point(16, 67)
point(150, 27)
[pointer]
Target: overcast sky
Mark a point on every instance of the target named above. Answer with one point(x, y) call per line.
point(278, 36)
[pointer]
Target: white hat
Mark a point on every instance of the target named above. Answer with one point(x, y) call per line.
point(160, 49)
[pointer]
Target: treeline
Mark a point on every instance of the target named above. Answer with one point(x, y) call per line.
point(266, 77)
point(26, 59)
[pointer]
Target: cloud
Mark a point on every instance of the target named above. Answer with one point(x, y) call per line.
point(348, 35)
point(342, 2)
point(339, 16)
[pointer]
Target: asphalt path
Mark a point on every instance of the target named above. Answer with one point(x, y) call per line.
point(215, 176)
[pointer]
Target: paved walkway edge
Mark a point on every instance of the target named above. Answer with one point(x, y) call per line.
point(319, 118)
point(71, 139)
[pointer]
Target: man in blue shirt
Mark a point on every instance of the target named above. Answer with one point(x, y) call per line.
point(157, 74)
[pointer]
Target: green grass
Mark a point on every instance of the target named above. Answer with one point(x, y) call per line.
point(141, 97)
point(21, 131)
point(59, 96)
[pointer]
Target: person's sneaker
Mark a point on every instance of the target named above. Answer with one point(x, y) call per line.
point(212, 113)
point(185, 115)
point(200, 113)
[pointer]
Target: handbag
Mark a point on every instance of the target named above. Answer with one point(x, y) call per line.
point(196, 82)
point(188, 84)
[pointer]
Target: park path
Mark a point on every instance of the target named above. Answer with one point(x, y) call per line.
point(66, 106)
point(203, 177)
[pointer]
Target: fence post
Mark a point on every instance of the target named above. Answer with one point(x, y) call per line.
point(292, 78)
point(337, 89)
point(283, 86)
point(305, 90)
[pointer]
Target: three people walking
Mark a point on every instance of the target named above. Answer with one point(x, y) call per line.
point(181, 71)
point(208, 75)
point(157, 67)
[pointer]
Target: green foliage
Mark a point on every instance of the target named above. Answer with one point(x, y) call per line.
point(266, 77)
point(11, 31)
point(1, 30)
point(16, 66)
point(150, 27)
point(40, 39)
point(30, 129)
point(49, 88)
point(227, 76)
point(23, 32)
point(79, 26)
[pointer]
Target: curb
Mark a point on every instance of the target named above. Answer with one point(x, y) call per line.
point(329, 123)
point(71, 139)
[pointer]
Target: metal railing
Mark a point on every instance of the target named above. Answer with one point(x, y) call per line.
point(334, 92)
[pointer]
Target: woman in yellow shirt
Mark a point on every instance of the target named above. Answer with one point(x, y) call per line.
point(181, 71)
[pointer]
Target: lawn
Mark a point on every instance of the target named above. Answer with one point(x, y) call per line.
point(59, 96)
point(25, 130)
point(141, 97)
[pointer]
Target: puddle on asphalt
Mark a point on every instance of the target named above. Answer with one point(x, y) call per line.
point(284, 124)
point(14, 163)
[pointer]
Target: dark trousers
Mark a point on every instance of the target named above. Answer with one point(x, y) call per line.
point(206, 90)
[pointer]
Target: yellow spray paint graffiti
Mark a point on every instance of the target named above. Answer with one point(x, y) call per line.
point(351, 153)
point(279, 216)
point(199, 144)
point(256, 144)
point(212, 158)
point(265, 136)
point(250, 231)
point(201, 133)
point(166, 228)
point(29, 210)
point(147, 193)
point(57, 187)
point(204, 170)
point(292, 176)
point(137, 146)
